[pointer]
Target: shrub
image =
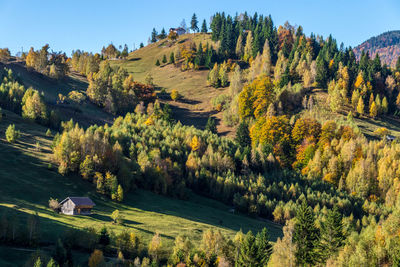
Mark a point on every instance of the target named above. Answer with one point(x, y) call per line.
point(53, 204)
point(175, 95)
point(11, 134)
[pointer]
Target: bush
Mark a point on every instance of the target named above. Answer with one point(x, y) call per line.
point(53, 204)
point(175, 95)
point(12, 135)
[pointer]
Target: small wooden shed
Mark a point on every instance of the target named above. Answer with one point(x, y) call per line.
point(77, 206)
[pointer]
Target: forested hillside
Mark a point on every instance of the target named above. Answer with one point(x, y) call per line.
point(386, 45)
point(258, 119)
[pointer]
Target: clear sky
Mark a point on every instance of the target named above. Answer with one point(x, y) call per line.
point(88, 25)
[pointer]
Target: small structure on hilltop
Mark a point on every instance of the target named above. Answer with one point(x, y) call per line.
point(178, 31)
point(77, 206)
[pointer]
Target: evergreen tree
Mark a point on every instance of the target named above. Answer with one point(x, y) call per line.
point(104, 238)
point(193, 23)
point(332, 236)
point(141, 45)
point(243, 135)
point(158, 62)
point(321, 76)
point(248, 251)
point(164, 59)
point(264, 247)
point(204, 27)
point(154, 36)
point(171, 58)
point(305, 236)
point(210, 126)
point(163, 34)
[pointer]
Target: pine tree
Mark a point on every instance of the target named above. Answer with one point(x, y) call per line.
point(305, 236)
point(243, 135)
point(210, 126)
point(154, 36)
point(360, 106)
point(204, 27)
point(332, 236)
point(163, 34)
point(171, 58)
point(164, 59)
point(264, 247)
point(248, 251)
point(322, 72)
point(104, 238)
point(193, 23)
point(158, 63)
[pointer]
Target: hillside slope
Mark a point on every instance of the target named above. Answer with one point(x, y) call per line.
point(387, 45)
point(28, 183)
point(85, 113)
point(195, 107)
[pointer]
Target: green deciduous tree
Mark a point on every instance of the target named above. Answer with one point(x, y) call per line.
point(12, 135)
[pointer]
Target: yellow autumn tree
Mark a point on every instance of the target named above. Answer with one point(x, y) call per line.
point(96, 259)
point(359, 81)
point(360, 106)
point(195, 144)
point(373, 110)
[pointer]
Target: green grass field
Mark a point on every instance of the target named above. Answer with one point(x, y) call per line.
point(27, 184)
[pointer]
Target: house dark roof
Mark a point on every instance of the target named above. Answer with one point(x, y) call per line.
point(79, 201)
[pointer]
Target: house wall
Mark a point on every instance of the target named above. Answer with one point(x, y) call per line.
point(68, 208)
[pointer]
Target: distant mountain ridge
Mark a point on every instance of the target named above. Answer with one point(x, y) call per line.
point(387, 45)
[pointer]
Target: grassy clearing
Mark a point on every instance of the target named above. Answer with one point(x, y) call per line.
point(366, 124)
point(195, 108)
point(27, 184)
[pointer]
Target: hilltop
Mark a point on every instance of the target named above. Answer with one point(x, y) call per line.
point(387, 45)
point(195, 106)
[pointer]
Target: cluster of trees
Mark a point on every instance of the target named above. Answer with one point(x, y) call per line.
point(111, 52)
point(148, 151)
point(84, 62)
point(218, 75)
point(51, 64)
point(232, 32)
point(27, 102)
point(5, 54)
point(115, 90)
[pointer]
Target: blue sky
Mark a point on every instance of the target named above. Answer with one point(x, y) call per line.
point(88, 25)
